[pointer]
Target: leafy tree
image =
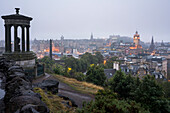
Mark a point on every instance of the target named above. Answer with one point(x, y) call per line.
point(49, 63)
point(79, 76)
point(59, 69)
point(122, 84)
point(81, 65)
point(107, 102)
point(99, 57)
point(166, 88)
point(145, 91)
point(89, 58)
point(150, 95)
point(95, 74)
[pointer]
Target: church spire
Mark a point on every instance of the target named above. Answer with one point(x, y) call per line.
point(152, 42)
point(152, 46)
point(91, 36)
point(162, 44)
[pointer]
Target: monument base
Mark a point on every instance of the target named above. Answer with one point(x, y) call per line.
point(26, 63)
point(24, 59)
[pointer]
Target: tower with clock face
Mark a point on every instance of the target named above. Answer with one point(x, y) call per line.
point(136, 39)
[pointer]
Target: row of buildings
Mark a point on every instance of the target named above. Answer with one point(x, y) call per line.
point(136, 57)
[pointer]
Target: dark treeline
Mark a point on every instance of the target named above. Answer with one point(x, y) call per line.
point(127, 94)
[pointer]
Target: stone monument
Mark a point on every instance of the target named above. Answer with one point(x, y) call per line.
point(21, 54)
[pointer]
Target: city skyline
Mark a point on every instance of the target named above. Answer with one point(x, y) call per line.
point(77, 19)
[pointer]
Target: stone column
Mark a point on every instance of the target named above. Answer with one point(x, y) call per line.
point(28, 39)
point(15, 37)
point(6, 38)
point(9, 38)
point(23, 38)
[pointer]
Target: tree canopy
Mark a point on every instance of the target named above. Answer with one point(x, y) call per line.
point(95, 74)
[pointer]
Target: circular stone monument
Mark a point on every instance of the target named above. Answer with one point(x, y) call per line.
point(21, 52)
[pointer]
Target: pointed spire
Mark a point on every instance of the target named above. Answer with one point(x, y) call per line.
point(152, 42)
point(91, 36)
point(136, 32)
point(152, 46)
point(162, 44)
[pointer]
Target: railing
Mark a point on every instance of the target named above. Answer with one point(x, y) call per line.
point(30, 73)
point(37, 71)
point(40, 70)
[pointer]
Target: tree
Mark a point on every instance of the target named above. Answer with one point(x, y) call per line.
point(95, 74)
point(122, 84)
point(89, 58)
point(107, 102)
point(150, 94)
point(146, 91)
point(109, 62)
point(166, 88)
point(99, 57)
point(59, 69)
point(49, 63)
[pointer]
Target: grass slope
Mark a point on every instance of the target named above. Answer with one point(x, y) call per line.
point(83, 87)
point(54, 102)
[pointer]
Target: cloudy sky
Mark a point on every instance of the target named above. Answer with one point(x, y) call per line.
point(78, 18)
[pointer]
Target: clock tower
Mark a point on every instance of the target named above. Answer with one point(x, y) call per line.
point(136, 47)
point(136, 39)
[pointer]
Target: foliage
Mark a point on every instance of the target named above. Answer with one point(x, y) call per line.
point(99, 57)
point(109, 62)
point(95, 74)
point(145, 91)
point(58, 69)
point(150, 94)
point(107, 102)
point(81, 65)
point(166, 88)
point(47, 61)
point(79, 76)
point(48, 64)
point(122, 84)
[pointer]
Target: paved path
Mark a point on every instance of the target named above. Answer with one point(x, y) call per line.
point(68, 91)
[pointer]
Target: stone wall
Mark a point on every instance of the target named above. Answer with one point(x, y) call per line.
point(26, 63)
point(19, 95)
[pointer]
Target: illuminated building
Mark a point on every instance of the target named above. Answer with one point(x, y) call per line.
point(136, 47)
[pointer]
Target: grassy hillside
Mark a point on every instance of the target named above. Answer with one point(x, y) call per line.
point(54, 102)
point(57, 104)
point(84, 87)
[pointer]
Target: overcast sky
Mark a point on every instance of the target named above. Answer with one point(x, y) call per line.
point(78, 18)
